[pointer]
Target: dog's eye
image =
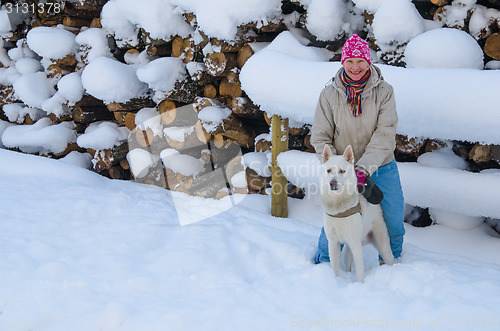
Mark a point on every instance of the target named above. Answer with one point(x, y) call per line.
point(329, 171)
point(341, 171)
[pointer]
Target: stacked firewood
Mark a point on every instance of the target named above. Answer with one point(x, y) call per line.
point(213, 81)
point(462, 15)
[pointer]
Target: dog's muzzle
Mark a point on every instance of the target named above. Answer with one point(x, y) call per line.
point(334, 185)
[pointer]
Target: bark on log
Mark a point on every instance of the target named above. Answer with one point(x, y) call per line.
point(72, 147)
point(163, 50)
point(87, 115)
point(117, 172)
point(409, 146)
point(245, 108)
point(133, 104)
point(433, 145)
point(185, 91)
point(307, 142)
point(89, 101)
point(256, 182)
point(76, 22)
point(106, 159)
point(492, 46)
point(263, 145)
point(96, 23)
point(203, 102)
point(67, 61)
point(233, 129)
point(7, 95)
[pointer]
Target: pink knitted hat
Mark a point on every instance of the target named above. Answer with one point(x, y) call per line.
point(355, 47)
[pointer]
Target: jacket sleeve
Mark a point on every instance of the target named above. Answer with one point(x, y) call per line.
point(383, 140)
point(322, 131)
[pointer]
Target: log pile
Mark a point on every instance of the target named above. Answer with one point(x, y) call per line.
point(213, 86)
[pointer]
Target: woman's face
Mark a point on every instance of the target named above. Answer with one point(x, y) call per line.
point(355, 67)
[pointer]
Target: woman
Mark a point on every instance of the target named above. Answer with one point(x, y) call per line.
point(358, 109)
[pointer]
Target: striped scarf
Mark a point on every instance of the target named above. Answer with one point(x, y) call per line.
point(354, 90)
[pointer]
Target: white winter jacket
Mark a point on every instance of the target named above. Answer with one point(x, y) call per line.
point(372, 135)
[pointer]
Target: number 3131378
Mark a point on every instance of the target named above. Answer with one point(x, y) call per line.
point(25, 8)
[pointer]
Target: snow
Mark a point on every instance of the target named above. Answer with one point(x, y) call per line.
point(33, 89)
point(405, 22)
point(123, 18)
point(162, 74)
point(108, 254)
point(28, 66)
point(97, 42)
point(70, 87)
point(42, 137)
point(82, 160)
point(259, 162)
point(183, 164)
point(325, 18)
point(178, 133)
point(16, 112)
point(442, 159)
point(221, 18)
point(52, 43)
point(149, 118)
point(103, 135)
point(82, 252)
point(213, 116)
point(112, 81)
point(3, 125)
point(141, 161)
point(439, 49)
point(467, 193)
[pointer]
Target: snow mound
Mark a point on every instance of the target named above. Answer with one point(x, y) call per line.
point(444, 48)
point(52, 43)
point(103, 135)
point(220, 19)
point(440, 159)
point(455, 220)
point(42, 137)
point(112, 81)
point(397, 21)
point(34, 89)
point(70, 87)
point(162, 74)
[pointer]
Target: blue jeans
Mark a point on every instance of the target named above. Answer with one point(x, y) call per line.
point(387, 179)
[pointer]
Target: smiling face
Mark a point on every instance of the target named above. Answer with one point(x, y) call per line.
point(355, 67)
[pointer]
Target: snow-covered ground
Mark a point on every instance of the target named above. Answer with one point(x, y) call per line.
point(82, 252)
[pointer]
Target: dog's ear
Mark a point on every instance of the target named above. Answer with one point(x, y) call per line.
point(327, 153)
point(349, 154)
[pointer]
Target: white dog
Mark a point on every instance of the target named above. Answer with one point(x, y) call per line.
point(348, 217)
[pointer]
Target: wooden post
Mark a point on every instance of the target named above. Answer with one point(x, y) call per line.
point(279, 190)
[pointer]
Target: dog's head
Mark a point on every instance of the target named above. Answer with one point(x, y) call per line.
point(337, 172)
